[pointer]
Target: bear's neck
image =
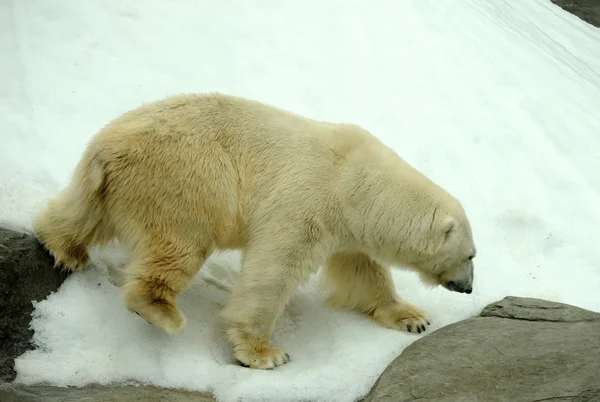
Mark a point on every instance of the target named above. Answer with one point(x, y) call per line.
point(393, 213)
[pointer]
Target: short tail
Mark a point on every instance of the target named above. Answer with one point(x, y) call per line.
point(76, 218)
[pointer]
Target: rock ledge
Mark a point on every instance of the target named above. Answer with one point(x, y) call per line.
point(518, 349)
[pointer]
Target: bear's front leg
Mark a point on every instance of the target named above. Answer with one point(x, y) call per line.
point(358, 282)
point(268, 280)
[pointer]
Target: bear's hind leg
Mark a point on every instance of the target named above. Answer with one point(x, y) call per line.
point(76, 218)
point(153, 281)
point(69, 224)
point(359, 283)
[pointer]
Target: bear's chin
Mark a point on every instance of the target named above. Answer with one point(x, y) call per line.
point(429, 280)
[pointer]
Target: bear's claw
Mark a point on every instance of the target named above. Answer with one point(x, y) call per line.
point(268, 359)
point(143, 318)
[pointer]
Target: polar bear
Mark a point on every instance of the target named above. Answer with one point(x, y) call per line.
point(176, 179)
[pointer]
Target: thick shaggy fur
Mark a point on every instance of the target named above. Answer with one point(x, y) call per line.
point(177, 179)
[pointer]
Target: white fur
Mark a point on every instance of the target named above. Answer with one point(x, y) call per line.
point(180, 178)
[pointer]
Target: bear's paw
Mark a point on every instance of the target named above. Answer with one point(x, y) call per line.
point(402, 316)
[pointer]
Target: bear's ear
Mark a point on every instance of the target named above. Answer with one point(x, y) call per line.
point(448, 227)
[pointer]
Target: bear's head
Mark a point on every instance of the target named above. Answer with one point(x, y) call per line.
point(451, 264)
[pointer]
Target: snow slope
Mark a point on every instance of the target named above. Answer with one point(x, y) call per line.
point(497, 101)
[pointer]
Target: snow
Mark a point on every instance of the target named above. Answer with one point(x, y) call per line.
point(498, 102)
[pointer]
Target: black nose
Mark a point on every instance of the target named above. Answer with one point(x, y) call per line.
point(468, 291)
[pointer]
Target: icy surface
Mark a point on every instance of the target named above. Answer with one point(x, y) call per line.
point(498, 102)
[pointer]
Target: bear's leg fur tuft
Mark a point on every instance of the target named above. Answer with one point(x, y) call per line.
point(153, 281)
point(359, 283)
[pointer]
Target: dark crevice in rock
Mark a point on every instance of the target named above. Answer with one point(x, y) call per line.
point(540, 307)
point(538, 319)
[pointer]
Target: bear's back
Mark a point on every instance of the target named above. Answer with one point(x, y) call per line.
point(218, 155)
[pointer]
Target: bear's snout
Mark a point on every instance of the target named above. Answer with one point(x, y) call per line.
point(458, 287)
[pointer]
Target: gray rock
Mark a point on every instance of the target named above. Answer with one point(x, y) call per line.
point(26, 274)
point(100, 394)
point(521, 308)
point(518, 349)
point(587, 10)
